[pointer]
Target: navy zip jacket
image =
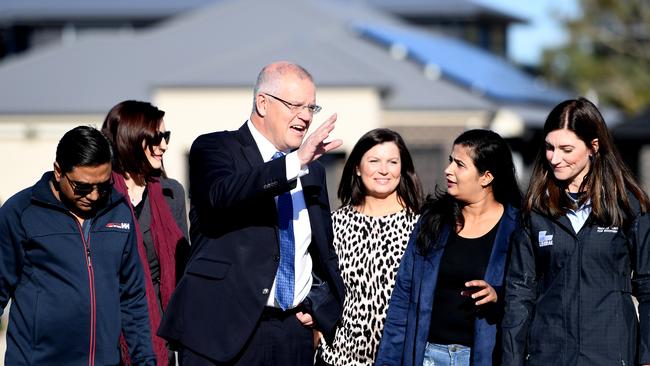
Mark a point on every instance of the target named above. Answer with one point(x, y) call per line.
point(71, 296)
point(569, 295)
point(409, 312)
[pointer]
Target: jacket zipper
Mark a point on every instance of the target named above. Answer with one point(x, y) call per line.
point(91, 284)
point(579, 294)
point(576, 236)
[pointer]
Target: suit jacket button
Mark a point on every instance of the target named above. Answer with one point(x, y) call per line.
point(265, 291)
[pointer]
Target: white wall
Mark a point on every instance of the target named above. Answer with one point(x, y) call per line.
point(28, 147)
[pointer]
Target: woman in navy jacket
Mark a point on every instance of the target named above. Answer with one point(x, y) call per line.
point(445, 305)
point(582, 254)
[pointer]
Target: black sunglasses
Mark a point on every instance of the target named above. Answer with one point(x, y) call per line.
point(84, 189)
point(156, 139)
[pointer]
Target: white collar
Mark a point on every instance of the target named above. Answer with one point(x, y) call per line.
point(266, 148)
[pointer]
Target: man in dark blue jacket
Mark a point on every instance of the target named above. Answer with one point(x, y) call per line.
point(69, 263)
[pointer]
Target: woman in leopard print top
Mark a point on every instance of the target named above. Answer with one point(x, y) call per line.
point(381, 195)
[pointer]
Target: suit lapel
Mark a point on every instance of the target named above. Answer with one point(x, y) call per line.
point(249, 148)
point(253, 157)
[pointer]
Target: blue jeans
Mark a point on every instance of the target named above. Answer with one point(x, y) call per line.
point(446, 355)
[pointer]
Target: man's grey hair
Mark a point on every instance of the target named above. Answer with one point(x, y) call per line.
point(268, 80)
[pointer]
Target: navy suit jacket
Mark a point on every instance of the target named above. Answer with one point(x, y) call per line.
point(235, 249)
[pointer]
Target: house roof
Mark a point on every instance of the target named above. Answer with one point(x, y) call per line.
point(223, 44)
point(30, 11)
point(458, 9)
point(23, 11)
point(470, 66)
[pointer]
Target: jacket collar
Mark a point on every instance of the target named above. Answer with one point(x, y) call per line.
point(496, 265)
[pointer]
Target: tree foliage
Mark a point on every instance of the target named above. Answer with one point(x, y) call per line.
point(608, 53)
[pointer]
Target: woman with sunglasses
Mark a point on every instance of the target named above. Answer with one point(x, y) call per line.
point(137, 132)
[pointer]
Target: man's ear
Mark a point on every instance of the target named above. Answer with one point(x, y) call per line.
point(57, 172)
point(486, 179)
point(261, 103)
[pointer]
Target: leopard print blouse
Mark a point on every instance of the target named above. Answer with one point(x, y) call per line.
point(369, 250)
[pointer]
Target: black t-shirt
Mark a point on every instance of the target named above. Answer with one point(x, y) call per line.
point(138, 208)
point(453, 315)
point(152, 257)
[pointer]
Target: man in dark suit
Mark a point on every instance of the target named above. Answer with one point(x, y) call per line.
point(263, 275)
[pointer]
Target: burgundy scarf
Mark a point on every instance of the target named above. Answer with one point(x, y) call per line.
point(166, 235)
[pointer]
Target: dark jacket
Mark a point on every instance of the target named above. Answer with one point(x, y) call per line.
point(235, 251)
point(568, 295)
point(409, 312)
point(70, 297)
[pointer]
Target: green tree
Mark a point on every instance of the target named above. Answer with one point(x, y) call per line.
point(608, 53)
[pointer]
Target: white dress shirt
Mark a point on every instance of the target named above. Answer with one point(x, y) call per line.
point(301, 225)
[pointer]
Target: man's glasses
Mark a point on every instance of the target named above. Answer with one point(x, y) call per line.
point(84, 189)
point(156, 139)
point(297, 108)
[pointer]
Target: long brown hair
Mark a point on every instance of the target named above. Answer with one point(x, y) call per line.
point(608, 181)
point(351, 189)
point(126, 125)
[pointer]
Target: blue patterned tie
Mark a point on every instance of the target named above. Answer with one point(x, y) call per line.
point(284, 279)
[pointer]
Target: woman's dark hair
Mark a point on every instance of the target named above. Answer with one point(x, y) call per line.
point(126, 125)
point(489, 152)
point(82, 146)
point(351, 189)
point(606, 184)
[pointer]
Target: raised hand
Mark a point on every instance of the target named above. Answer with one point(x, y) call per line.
point(315, 146)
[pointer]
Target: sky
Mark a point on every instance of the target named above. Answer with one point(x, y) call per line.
point(544, 30)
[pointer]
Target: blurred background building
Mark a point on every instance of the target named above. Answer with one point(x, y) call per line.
point(428, 69)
